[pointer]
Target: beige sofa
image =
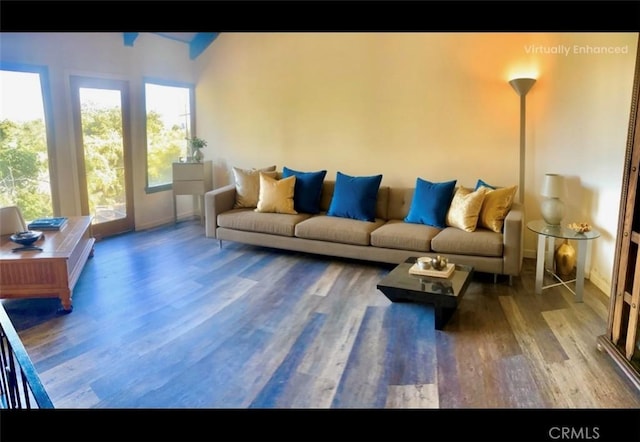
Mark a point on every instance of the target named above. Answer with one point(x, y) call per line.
point(389, 239)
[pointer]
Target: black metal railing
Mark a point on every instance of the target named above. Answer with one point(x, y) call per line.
point(20, 385)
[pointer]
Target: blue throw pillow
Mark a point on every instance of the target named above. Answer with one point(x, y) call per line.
point(307, 191)
point(431, 202)
point(481, 183)
point(355, 197)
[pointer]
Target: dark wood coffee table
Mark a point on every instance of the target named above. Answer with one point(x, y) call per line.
point(443, 294)
point(51, 271)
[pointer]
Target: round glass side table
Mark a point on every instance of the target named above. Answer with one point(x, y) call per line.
point(546, 241)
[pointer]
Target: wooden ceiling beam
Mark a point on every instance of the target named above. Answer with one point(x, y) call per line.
point(200, 42)
point(197, 45)
point(130, 37)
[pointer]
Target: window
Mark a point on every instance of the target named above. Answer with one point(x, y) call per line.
point(170, 118)
point(25, 178)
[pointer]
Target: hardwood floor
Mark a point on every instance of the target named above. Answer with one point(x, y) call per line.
point(167, 319)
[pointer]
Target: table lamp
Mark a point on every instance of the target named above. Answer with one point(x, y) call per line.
point(552, 207)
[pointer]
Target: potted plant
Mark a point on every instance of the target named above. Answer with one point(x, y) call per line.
point(196, 144)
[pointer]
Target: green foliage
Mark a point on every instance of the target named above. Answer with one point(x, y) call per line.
point(164, 146)
point(103, 156)
point(24, 169)
point(197, 143)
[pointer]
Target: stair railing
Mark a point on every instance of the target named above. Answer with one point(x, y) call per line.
point(20, 385)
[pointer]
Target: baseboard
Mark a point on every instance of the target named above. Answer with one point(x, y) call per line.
point(600, 282)
point(156, 223)
point(185, 216)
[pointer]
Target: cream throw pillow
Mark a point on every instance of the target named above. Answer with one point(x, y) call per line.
point(248, 185)
point(465, 208)
point(495, 207)
point(276, 196)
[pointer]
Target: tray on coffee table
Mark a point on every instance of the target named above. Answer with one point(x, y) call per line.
point(444, 273)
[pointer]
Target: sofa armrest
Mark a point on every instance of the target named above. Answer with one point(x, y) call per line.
point(513, 240)
point(217, 201)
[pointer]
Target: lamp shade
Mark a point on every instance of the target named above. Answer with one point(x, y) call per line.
point(553, 186)
point(522, 85)
point(552, 208)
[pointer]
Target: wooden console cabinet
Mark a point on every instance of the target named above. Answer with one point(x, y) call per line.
point(51, 272)
point(622, 340)
point(192, 179)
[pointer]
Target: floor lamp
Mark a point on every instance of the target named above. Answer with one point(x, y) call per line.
point(522, 86)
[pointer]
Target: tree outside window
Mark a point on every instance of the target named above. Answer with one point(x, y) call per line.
point(24, 159)
point(169, 109)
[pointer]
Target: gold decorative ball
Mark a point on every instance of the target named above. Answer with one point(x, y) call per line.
point(439, 262)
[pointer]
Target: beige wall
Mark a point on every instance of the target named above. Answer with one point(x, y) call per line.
point(579, 129)
point(433, 105)
point(430, 105)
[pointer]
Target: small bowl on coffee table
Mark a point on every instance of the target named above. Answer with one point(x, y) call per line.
point(423, 263)
point(26, 238)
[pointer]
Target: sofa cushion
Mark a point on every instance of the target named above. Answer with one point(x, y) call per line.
point(355, 197)
point(495, 207)
point(251, 221)
point(397, 234)
point(465, 208)
point(431, 202)
point(381, 205)
point(399, 202)
point(482, 242)
point(248, 185)
point(306, 197)
point(481, 183)
point(337, 229)
point(276, 196)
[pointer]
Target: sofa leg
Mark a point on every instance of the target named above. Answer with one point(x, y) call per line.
point(219, 243)
point(510, 280)
point(495, 278)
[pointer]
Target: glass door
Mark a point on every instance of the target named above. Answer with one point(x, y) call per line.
point(101, 120)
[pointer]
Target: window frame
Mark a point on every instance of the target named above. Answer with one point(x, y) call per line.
point(47, 104)
point(192, 121)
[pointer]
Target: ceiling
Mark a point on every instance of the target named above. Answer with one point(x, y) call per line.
point(196, 41)
point(185, 37)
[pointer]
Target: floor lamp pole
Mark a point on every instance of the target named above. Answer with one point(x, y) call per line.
point(522, 86)
point(523, 122)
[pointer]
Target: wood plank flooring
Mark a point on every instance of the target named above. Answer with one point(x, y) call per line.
point(166, 319)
